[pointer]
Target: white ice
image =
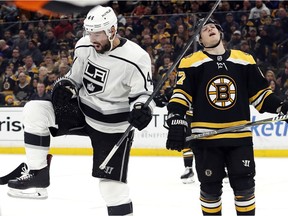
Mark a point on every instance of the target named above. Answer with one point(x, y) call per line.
point(155, 187)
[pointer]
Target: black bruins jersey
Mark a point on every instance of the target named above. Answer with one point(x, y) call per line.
point(221, 88)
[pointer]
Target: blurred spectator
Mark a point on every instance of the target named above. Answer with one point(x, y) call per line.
point(276, 88)
point(282, 15)
point(9, 13)
point(48, 62)
point(168, 50)
point(129, 33)
point(146, 41)
point(69, 38)
point(10, 101)
point(23, 22)
point(245, 7)
point(282, 78)
point(178, 44)
point(277, 31)
point(264, 46)
point(244, 46)
point(256, 11)
point(49, 43)
point(41, 93)
point(169, 85)
point(8, 37)
point(270, 75)
point(9, 81)
point(3, 64)
point(49, 81)
point(120, 16)
point(63, 69)
point(23, 89)
point(167, 62)
point(21, 42)
point(252, 38)
point(156, 77)
point(43, 71)
point(34, 83)
point(16, 60)
point(181, 31)
point(30, 67)
point(229, 26)
point(163, 39)
point(5, 49)
point(144, 23)
point(235, 40)
point(63, 27)
point(34, 51)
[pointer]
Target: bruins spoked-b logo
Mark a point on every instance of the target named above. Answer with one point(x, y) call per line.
point(221, 92)
point(95, 78)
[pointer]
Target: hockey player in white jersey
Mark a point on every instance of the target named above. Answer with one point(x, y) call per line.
point(111, 77)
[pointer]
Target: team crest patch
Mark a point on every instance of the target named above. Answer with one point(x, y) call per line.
point(95, 78)
point(221, 92)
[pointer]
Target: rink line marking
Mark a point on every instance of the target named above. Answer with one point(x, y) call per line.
point(138, 151)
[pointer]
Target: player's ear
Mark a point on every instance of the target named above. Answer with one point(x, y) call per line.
point(112, 32)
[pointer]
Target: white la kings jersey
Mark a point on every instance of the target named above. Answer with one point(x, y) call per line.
point(111, 83)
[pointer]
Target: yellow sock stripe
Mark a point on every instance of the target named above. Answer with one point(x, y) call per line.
point(212, 210)
point(245, 208)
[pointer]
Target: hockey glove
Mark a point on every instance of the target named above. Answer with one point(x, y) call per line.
point(140, 116)
point(178, 127)
point(63, 90)
point(284, 109)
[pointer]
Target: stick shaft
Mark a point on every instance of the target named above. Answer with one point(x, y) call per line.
point(238, 127)
point(160, 83)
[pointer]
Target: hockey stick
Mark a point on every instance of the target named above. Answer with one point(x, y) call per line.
point(14, 174)
point(161, 82)
point(238, 127)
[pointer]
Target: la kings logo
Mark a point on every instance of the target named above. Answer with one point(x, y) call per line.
point(95, 78)
point(221, 92)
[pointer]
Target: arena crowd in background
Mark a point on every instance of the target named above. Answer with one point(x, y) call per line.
point(36, 49)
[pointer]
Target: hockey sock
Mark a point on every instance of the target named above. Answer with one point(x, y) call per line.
point(36, 148)
point(245, 202)
point(211, 204)
point(188, 157)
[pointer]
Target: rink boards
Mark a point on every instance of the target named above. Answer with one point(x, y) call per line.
point(269, 140)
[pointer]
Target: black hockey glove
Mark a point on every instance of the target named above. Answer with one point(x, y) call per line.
point(178, 128)
point(284, 109)
point(62, 92)
point(140, 116)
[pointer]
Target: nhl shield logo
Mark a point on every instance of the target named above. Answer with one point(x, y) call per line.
point(95, 78)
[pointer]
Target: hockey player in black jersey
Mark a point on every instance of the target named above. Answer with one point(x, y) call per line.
point(221, 84)
point(110, 79)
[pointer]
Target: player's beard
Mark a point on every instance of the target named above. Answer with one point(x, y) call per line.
point(105, 48)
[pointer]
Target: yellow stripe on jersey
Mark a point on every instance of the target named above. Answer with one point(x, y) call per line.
point(189, 98)
point(234, 135)
point(258, 99)
point(181, 97)
point(194, 59)
point(180, 101)
point(240, 57)
point(219, 125)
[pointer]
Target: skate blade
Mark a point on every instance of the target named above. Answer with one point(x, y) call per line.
point(189, 180)
point(31, 193)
